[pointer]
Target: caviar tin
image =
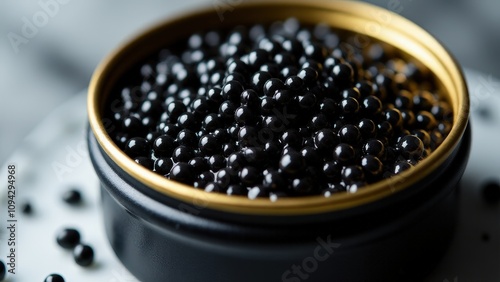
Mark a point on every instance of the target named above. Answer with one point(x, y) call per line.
point(392, 230)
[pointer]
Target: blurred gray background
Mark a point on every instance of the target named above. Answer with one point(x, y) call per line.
point(57, 62)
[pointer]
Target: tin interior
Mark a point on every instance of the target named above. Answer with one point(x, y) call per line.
point(360, 18)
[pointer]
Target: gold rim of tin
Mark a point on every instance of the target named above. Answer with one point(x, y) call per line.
point(361, 18)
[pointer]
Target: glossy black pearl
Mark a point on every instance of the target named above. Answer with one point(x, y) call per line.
point(283, 97)
point(302, 186)
point(401, 166)
point(182, 172)
point(367, 128)
point(326, 140)
point(349, 134)
point(274, 180)
point(216, 162)
point(372, 165)
point(163, 166)
point(292, 138)
point(72, 197)
point(393, 116)
point(137, 147)
point(291, 163)
point(425, 120)
point(352, 174)
point(272, 85)
point(227, 110)
point(343, 74)
point(232, 90)
point(182, 154)
point(349, 106)
point(209, 145)
point(68, 238)
point(308, 75)
point(294, 83)
point(83, 255)
point(188, 121)
point(250, 176)
point(245, 115)
point(53, 278)
point(163, 146)
point(371, 106)
point(411, 147)
point(146, 162)
point(374, 147)
point(344, 153)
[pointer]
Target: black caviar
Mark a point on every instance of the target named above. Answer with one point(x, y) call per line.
point(54, 278)
point(278, 111)
point(83, 255)
point(68, 238)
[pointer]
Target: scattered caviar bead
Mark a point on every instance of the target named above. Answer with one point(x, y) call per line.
point(491, 192)
point(53, 278)
point(285, 108)
point(83, 255)
point(2, 270)
point(68, 238)
point(26, 209)
point(72, 196)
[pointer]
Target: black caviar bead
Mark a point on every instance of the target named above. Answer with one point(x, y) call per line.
point(203, 179)
point(236, 161)
point(258, 57)
point(349, 106)
point(310, 155)
point(259, 79)
point(271, 46)
point(291, 163)
point(185, 137)
point(27, 209)
point(307, 101)
point(308, 75)
point(251, 99)
point(229, 148)
point(198, 164)
point(365, 88)
point(267, 106)
point(171, 130)
point(344, 153)
point(332, 170)
point(221, 135)
point(233, 131)
point(371, 106)
point(283, 97)
point(234, 77)
point(271, 68)
point(68, 238)
point(163, 166)
point(53, 278)
point(225, 176)
point(272, 85)
point(216, 162)
point(425, 120)
point(232, 91)
point(318, 122)
point(283, 59)
point(272, 149)
point(83, 255)
point(424, 101)
point(385, 129)
point(211, 122)
point(146, 162)
point(133, 125)
point(411, 147)
point(137, 147)
point(302, 186)
point(408, 117)
point(315, 51)
point(393, 116)
point(72, 196)
point(227, 110)
point(236, 190)
point(352, 174)
point(163, 146)
point(245, 115)
point(213, 187)
point(350, 93)
point(247, 136)
point(423, 135)
point(257, 191)
point(254, 156)
point(294, 83)
point(328, 107)
point(372, 165)
point(292, 46)
point(367, 128)
point(250, 176)
point(326, 139)
point(182, 154)
point(182, 172)
point(374, 147)
point(188, 121)
point(401, 166)
point(343, 74)
point(404, 100)
point(273, 180)
point(349, 134)
point(292, 138)
point(209, 145)
point(200, 106)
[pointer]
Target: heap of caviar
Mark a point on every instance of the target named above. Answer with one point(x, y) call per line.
point(278, 110)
